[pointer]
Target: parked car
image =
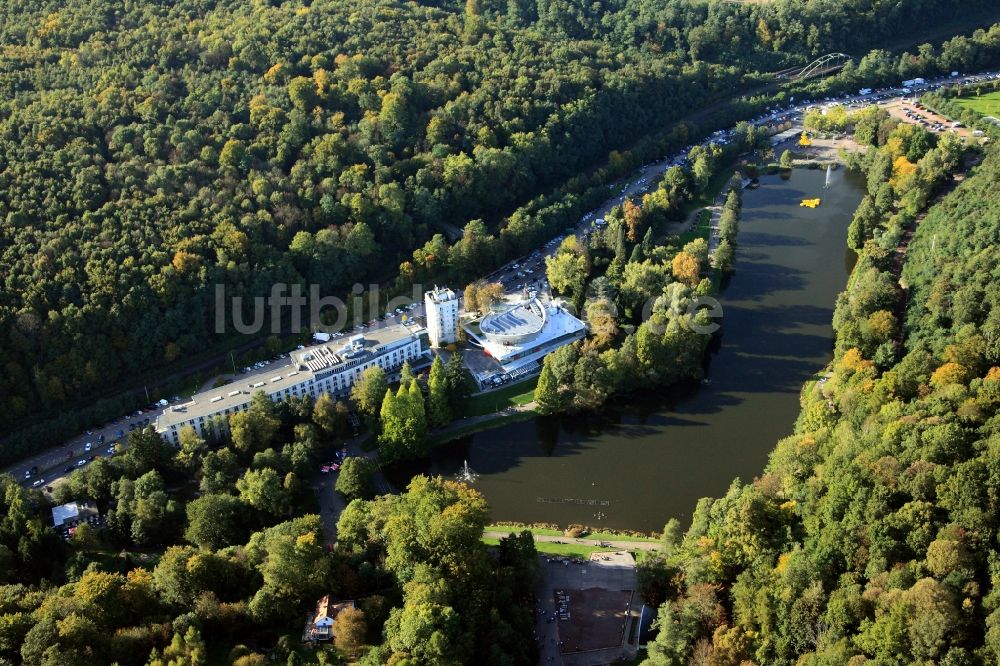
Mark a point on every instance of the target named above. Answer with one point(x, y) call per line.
point(87, 446)
point(81, 463)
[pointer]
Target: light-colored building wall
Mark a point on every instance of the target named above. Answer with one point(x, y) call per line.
point(441, 308)
point(311, 371)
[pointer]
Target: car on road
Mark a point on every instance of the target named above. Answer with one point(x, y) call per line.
point(81, 463)
point(27, 474)
point(111, 450)
point(88, 446)
point(37, 482)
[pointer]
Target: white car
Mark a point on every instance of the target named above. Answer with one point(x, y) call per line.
point(87, 446)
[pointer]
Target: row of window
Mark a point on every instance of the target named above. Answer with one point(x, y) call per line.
point(334, 385)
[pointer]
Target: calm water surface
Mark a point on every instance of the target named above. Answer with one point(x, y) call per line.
point(650, 458)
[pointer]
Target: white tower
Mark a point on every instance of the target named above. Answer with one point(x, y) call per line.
point(441, 308)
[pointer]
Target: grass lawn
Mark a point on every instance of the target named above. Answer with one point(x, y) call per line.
point(566, 549)
point(543, 531)
point(488, 424)
point(987, 105)
point(520, 393)
point(700, 228)
point(715, 185)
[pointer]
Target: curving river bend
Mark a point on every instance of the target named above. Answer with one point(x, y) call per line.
point(649, 458)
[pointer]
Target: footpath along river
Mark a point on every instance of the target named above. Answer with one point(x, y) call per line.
point(650, 458)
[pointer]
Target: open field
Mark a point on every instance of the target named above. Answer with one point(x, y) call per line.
point(594, 618)
point(586, 609)
point(987, 105)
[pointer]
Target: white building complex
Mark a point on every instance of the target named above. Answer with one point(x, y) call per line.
point(520, 334)
point(331, 368)
point(441, 308)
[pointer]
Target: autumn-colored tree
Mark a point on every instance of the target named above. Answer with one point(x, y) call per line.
point(633, 221)
point(685, 268)
point(949, 373)
point(349, 630)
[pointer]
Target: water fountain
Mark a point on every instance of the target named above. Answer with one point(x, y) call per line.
point(829, 168)
point(466, 475)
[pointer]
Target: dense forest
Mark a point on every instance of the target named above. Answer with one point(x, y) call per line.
point(640, 286)
point(150, 150)
point(213, 553)
point(871, 536)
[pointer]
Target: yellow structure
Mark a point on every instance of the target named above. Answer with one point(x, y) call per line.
point(810, 203)
point(805, 141)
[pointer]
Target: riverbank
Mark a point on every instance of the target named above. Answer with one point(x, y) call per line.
point(670, 447)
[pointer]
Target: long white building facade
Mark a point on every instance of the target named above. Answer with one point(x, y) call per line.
point(331, 368)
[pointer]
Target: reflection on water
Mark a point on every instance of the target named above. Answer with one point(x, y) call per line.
point(650, 457)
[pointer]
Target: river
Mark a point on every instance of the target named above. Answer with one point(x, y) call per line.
point(649, 458)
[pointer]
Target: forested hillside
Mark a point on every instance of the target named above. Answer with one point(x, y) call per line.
point(871, 537)
point(149, 150)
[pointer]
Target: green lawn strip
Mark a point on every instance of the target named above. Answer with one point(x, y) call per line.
point(700, 229)
point(715, 184)
point(520, 393)
point(565, 549)
point(480, 426)
point(545, 531)
point(987, 105)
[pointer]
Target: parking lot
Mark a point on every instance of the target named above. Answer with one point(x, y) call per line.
point(914, 114)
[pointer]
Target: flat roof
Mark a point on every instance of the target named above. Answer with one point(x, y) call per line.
point(522, 319)
point(301, 366)
point(70, 511)
point(441, 295)
point(557, 324)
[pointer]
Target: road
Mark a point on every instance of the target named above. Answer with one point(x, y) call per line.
point(597, 543)
point(332, 503)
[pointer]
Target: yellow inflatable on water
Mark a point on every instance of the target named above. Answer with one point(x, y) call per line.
point(810, 203)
